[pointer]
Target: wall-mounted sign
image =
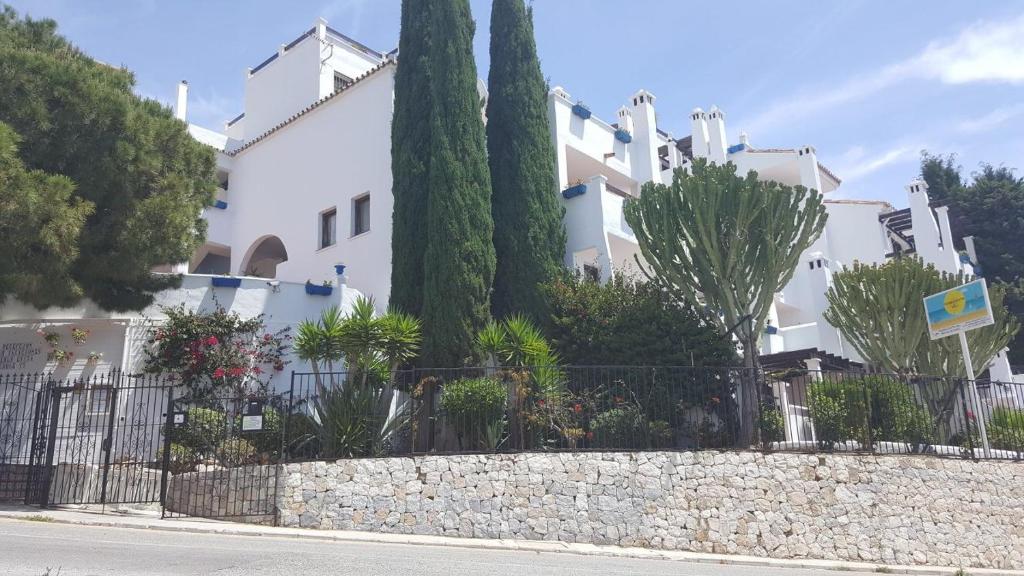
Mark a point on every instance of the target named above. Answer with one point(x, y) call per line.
point(958, 309)
point(18, 355)
point(179, 419)
point(252, 418)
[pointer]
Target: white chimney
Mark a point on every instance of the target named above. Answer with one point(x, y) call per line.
point(625, 119)
point(181, 106)
point(699, 133)
point(717, 142)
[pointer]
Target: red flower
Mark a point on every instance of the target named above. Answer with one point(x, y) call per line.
point(218, 373)
point(577, 408)
point(236, 371)
point(212, 341)
point(257, 370)
point(540, 403)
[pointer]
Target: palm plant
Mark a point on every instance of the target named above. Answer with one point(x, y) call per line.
point(353, 415)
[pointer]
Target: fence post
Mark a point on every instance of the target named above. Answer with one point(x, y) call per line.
point(967, 419)
point(51, 441)
point(40, 408)
point(166, 464)
point(108, 442)
point(285, 453)
point(867, 415)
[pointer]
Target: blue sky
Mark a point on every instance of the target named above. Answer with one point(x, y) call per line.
point(868, 83)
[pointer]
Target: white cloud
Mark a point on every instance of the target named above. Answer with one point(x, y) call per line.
point(347, 13)
point(993, 119)
point(982, 52)
point(856, 163)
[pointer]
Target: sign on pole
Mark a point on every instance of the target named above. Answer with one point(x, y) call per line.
point(955, 311)
point(958, 309)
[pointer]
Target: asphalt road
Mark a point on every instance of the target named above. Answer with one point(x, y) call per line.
point(40, 548)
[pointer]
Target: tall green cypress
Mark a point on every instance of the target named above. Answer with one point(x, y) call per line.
point(410, 158)
point(529, 234)
point(459, 259)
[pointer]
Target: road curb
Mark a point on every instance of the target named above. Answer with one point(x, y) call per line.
point(118, 520)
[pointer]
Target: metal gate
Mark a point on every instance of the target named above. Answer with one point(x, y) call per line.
point(95, 440)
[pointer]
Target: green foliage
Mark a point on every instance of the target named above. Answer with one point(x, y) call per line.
point(203, 430)
point(772, 425)
point(352, 421)
point(475, 407)
point(1005, 429)
point(216, 351)
point(621, 427)
point(1015, 306)
point(459, 259)
point(714, 239)
point(529, 234)
point(878, 309)
point(896, 415)
point(627, 322)
point(232, 452)
point(146, 176)
point(516, 342)
point(183, 459)
point(410, 157)
point(839, 411)
point(373, 347)
point(990, 207)
point(40, 222)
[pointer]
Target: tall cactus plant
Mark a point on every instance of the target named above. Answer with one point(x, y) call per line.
point(879, 310)
point(729, 243)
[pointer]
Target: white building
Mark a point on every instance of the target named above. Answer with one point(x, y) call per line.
point(305, 185)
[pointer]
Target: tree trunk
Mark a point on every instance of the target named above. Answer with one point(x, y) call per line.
point(749, 396)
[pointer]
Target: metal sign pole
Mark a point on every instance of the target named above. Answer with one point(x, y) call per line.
point(979, 415)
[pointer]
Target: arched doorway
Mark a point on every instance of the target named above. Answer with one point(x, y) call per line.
point(263, 256)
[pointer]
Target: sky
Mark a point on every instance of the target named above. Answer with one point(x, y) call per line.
point(868, 83)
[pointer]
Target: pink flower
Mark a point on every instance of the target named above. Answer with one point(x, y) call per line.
point(212, 341)
point(218, 373)
point(577, 408)
point(266, 337)
point(236, 371)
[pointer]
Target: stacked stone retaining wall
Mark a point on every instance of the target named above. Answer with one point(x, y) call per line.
point(891, 509)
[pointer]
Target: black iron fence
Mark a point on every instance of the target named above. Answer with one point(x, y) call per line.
point(334, 415)
point(118, 438)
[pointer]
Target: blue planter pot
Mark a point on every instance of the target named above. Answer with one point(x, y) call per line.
point(623, 136)
point(220, 204)
point(736, 148)
point(225, 282)
point(339, 269)
point(771, 330)
point(317, 290)
point(574, 191)
point(581, 111)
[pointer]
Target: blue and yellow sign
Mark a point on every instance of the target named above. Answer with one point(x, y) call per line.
point(958, 309)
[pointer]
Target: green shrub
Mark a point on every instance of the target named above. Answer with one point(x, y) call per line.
point(839, 412)
point(619, 428)
point(354, 421)
point(660, 434)
point(895, 414)
point(772, 425)
point(203, 430)
point(1006, 429)
point(235, 452)
point(474, 407)
point(182, 460)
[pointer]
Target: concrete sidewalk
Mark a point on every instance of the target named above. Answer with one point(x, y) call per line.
point(150, 520)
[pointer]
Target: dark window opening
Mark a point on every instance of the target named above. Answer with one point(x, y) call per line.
point(361, 215)
point(328, 228)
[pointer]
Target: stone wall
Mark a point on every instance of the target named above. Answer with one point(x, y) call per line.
point(243, 494)
point(891, 509)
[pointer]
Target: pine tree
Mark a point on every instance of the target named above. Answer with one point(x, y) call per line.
point(459, 258)
point(410, 158)
point(529, 235)
point(129, 157)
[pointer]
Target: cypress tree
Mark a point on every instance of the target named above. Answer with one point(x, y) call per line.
point(529, 234)
point(459, 258)
point(410, 156)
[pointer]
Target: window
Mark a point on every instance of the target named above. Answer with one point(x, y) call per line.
point(591, 272)
point(340, 81)
point(328, 227)
point(361, 215)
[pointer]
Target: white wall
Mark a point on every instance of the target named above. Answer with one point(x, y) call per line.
point(122, 336)
point(324, 159)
